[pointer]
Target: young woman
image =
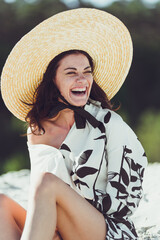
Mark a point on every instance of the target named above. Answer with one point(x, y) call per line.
point(87, 165)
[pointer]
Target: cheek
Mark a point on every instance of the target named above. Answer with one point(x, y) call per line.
point(59, 83)
point(91, 81)
point(64, 88)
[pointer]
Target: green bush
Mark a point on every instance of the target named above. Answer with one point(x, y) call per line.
point(14, 163)
point(148, 131)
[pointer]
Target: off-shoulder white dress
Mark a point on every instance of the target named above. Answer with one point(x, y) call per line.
point(104, 165)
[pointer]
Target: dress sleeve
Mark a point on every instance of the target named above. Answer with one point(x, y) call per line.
point(44, 158)
point(126, 163)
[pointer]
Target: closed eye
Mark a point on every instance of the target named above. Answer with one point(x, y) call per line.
point(88, 72)
point(71, 73)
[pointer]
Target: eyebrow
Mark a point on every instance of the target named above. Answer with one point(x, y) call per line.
point(76, 68)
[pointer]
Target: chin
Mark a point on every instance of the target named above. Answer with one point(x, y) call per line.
point(79, 103)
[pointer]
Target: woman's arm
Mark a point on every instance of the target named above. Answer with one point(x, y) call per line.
point(126, 164)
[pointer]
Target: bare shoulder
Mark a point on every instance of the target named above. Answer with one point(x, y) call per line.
point(34, 138)
point(53, 136)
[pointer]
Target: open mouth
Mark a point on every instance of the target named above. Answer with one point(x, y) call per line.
point(79, 91)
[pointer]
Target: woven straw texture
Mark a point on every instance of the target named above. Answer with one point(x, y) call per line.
point(100, 34)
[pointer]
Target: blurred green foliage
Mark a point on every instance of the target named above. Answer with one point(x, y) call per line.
point(139, 95)
point(148, 131)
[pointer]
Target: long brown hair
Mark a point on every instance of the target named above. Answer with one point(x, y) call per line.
point(47, 92)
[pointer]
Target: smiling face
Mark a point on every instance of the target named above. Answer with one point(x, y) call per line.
point(74, 79)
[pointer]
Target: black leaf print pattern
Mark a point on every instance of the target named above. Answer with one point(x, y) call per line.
point(101, 127)
point(106, 202)
point(121, 213)
point(84, 171)
point(133, 178)
point(78, 182)
point(126, 236)
point(107, 117)
point(125, 177)
point(135, 166)
point(127, 150)
point(128, 161)
point(122, 197)
point(142, 173)
point(120, 181)
point(144, 154)
point(112, 225)
point(136, 175)
point(111, 175)
point(135, 196)
point(131, 204)
point(65, 147)
point(121, 188)
point(84, 157)
point(101, 137)
point(136, 188)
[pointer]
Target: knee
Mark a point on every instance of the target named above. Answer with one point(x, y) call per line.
point(3, 200)
point(47, 185)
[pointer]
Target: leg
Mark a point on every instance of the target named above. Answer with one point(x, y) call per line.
point(12, 218)
point(56, 203)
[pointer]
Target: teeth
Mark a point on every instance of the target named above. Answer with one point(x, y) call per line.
point(79, 89)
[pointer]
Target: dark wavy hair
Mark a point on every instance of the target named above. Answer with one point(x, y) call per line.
point(47, 92)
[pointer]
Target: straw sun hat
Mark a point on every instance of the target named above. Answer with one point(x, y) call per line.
point(100, 34)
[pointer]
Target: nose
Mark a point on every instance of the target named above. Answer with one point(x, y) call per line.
point(81, 78)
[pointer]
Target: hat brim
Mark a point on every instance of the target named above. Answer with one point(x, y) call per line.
point(100, 34)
